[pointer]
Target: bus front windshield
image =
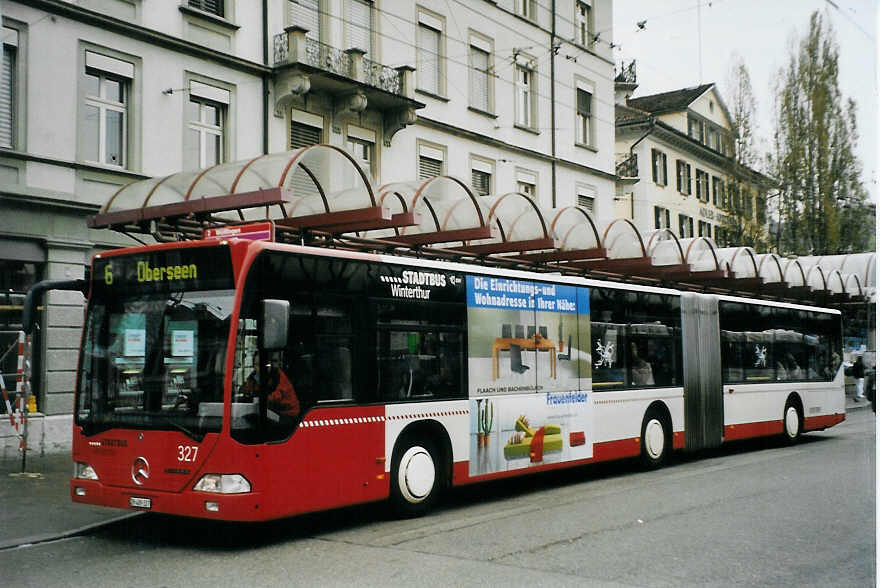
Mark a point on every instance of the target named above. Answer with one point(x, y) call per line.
point(153, 355)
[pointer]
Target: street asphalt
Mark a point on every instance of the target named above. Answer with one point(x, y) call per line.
point(37, 506)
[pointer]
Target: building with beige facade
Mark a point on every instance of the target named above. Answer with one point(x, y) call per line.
point(675, 154)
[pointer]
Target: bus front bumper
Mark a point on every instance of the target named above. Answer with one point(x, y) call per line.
point(188, 503)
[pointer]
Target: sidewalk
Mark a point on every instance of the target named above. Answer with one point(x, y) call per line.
point(37, 505)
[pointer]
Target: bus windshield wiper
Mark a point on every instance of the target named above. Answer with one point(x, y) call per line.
point(183, 429)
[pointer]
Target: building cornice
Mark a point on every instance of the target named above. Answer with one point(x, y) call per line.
point(128, 29)
point(34, 200)
point(122, 173)
point(491, 141)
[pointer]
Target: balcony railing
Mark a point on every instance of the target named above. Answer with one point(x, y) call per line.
point(628, 166)
point(294, 47)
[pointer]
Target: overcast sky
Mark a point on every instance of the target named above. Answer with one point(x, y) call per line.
point(668, 56)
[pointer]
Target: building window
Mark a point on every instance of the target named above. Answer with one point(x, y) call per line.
point(429, 56)
point(431, 161)
point(527, 183)
point(702, 185)
point(214, 7)
point(586, 197)
point(304, 135)
point(482, 171)
point(205, 138)
point(525, 96)
point(361, 143)
point(359, 25)
point(704, 229)
point(481, 182)
point(658, 167)
point(525, 8)
point(661, 217)
point(584, 117)
point(528, 189)
point(717, 187)
point(105, 116)
point(8, 86)
point(204, 145)
point(719, 236)
point(306, 14)
point(761, 210)
point(695, 129)
point(480, 79)
point(685, 226)
point(587, 202)
point(583, 22)
point(683, 177)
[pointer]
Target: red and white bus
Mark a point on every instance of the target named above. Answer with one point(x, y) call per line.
point(409, 376)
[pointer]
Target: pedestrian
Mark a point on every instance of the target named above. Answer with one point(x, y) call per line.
point(858, 373)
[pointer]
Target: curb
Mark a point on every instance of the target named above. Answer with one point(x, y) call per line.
point(84, 530)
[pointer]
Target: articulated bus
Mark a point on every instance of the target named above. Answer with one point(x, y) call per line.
point(251, 380)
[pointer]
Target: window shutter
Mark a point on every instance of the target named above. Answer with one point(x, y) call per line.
point(7, 96)
point(587, 202)
point(480, 182)
point(212, 6)
point(303, 135)
point(359, 25)
point(429, 167)
point(655, 166)
point(306, 14)
point(429, 56)
point(480, 77)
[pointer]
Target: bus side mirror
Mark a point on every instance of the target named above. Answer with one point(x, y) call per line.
point(276, 315)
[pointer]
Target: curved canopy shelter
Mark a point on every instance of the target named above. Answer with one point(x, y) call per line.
point(770, 268)
point(444, 210)
point(795, 276)
point(664, 247)
point(578, 237)
point(862, 265)
point(318, 187)
point(521, 227)
point(624, 249)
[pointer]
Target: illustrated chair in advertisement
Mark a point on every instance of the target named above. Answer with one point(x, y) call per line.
point(565, 356)
point(516, 364)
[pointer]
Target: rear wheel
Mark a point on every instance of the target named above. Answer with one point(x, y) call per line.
point(415, 477)
point(655, 440)
point(792, 424)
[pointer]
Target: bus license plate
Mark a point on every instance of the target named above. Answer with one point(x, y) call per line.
point(138, 502)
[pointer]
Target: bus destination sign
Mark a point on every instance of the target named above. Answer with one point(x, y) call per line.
point(190, 268)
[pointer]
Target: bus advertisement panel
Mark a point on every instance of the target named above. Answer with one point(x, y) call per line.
point(529, 381)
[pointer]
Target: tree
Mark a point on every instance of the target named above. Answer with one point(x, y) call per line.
point(821, 208)
point(744, 211)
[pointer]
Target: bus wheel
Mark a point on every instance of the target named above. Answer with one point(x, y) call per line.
point(414, 477)
point(791, 423)
point(655, 440)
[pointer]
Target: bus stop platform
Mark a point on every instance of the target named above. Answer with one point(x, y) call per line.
point(37, 506)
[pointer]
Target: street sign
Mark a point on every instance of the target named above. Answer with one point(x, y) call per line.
point(262, 231)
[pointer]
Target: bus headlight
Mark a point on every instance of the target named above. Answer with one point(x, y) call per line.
point(223, 484)
point(84, 471)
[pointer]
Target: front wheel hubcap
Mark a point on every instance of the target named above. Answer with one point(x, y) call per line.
point(792, 423)
point(416, 476)
point(655, 438)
